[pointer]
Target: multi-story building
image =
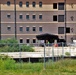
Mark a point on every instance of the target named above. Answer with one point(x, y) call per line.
point(24, 19)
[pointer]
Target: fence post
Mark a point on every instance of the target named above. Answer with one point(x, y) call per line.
point(44, 58)
point(48, 52)
point(70, 50)
point(29, 60)
point(19, 53)
point(52, 53)
point(62, 50)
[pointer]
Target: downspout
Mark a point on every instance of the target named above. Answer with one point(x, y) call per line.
point(65, 23)
point(15, 19)
point(0, 20)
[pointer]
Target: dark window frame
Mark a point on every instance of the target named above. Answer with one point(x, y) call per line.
point(20, 3)
point(21, 29)
point(20, 16)
point(27, 40)
point(33, 29)
point(40, 4)
point(34, 17)
point(27, 29)
point(40, 29)
point(34, 4)
point(40, 17)
point(27, 17)
point(60, 30)
point(27, 4)
point(8, 15)
point(54, 5)
point(61, 6)
point(8, 3)
point(21, 40)
point(9, 28)
point(67, 29)
point(60, 18)
point(34, 40)
point(55, 18)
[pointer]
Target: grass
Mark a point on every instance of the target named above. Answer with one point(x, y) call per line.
point(61, 67)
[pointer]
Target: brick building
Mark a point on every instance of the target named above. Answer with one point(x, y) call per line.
point(24, 19)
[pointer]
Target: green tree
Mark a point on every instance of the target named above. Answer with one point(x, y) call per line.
point(11, 45)
point(26, 48)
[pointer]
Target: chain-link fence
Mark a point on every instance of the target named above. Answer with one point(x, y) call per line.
point(37, 52)
point(54, 52)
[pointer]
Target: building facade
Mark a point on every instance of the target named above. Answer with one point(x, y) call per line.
point(24, 19)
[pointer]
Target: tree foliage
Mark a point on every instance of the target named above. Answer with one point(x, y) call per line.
point(12, 45)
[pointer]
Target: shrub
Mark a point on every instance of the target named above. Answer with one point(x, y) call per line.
point(6, 62)
point(11, 45)
point(9, 64)
point(4, 57)
point(27, 48)
point(67, 54)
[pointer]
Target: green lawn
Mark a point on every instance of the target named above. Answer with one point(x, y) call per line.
point(62, 67)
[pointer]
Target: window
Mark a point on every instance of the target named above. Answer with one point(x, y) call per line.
point(34, 16)
point(27, 28)
point(60, 18)
point(40, 29)
point(9, 16)
point(54, 5)
point(27, 4)
point(40, 4)
point(8, 3)
point(20, 3)
point(33, 4)
point(21, 28)
point(20, 16)
point(27, 17)
point(55, 18)
point(9, 28)
point(34, 29)
point(68, 30)
point(60, 30)
point(60, 6)
point(21, 40)
point(34, 40)
point(40, 17)
point(27, 40)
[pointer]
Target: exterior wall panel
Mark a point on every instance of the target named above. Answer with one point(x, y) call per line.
point(4, 28)
point(4, 17)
